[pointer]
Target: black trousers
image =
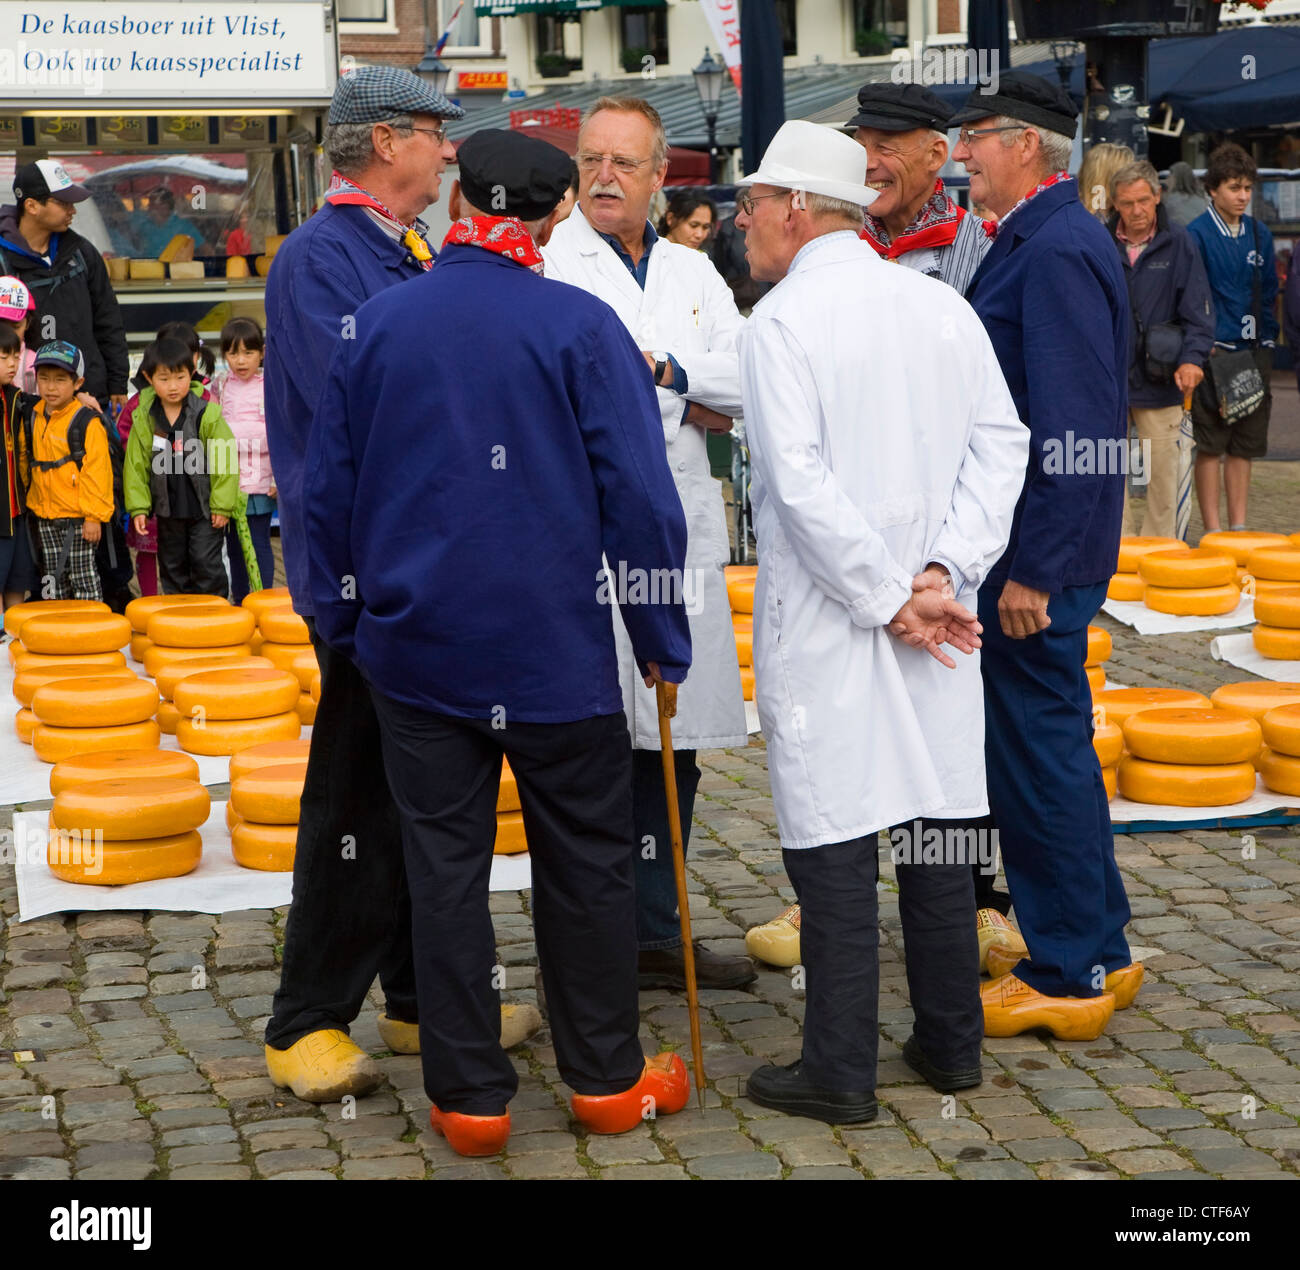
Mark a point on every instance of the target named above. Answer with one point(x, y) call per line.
point(836, 887)
point(189, 557)
point(351, 914)
point(986, 894)
point(575, 789)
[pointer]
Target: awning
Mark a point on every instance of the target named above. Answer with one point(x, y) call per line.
point(513, 8)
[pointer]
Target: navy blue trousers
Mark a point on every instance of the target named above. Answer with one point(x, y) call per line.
point(1047, 797)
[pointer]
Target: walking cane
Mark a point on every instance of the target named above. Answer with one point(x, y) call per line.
point(1186, 446)
point(666, 696)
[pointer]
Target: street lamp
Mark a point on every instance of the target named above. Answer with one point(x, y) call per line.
point(1063, 55)
point(431, 68)
point(708, 84)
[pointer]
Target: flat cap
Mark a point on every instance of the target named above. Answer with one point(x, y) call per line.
point(506, 173)
point(1028, 98)
point(890, 107)
point(371, 94)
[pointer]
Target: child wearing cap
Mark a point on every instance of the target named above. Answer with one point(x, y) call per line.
point(69, 500)
point(16, 304)
point(17, 569)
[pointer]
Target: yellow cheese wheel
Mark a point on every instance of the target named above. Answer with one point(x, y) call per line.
point(1280, 643)
point(157, 657)
point(102, 701)
point(141, 609)
point(1266, 586)
point(508, 791)
point(306, 667)
point(1100, 646)
point(256, 642)
point(266, 847)
point(53, 744)
point(1119, 703)
point(280, 624)
point(232, 819)
point(283, 655)
point(229, 736)
point(1131, 550)
point(126, 807)
point(1187, 568)
point(315, 688)
point(168, 717)
point(510, 839)
point(1204, 601)
point(1294, 539)
point(15, 647)
point(68, 633)
point(1277, 564)
point(747, 683)
point(169, 676)
point(1180, 735)
point(1125, 586)
point(269, 754)
point(197, 626)
point(306, 709)
point(1255, 698)
point(1108, 741)
point(25, 723)
point(1279, 608)
point(236, 267)
point(269, 795)
point(179, 247)
point(1239, 543)
point(17, 614)
point(745, 647)
point(236, 693)
point(268, 597)
point(1281, 729)
point(1186, 785)
point(742, 623)
point(741, 572)
point(740, 593)
point(129, 763)
point(117, 863)
point(139, 644)
point(1109, 778)
point(30, 661)
point(1096, 678)
point(26, 682)
point(1281, 772)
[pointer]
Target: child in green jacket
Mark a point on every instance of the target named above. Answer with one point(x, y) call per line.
point(181, 466)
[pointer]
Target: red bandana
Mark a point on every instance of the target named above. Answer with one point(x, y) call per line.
point(1054, 179)
point(504, 235)
point(935, 225)
point(341, 190)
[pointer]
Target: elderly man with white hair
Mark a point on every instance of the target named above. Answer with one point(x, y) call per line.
point(887, 460)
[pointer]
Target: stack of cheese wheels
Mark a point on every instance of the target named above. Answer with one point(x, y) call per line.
point(1116, 704)
point(127, 829)
point(1189, 583)
point(227, 710)
point(170, 675)
point(185, 632)
point(1126, 584)
point(107, 764)
point(1108, 741)
point(27, 681)
point(1277, 613)
point(1099, 648)
point(268, 846)
point(1256, 698)
point(83, 715)
point(286, 642)
point(510, 819)
point(139, 611)
point(1189, 757)
point(1279, 760)
point(257, 601)
point(740, 594)
point(17, 614)
point(1274, 569)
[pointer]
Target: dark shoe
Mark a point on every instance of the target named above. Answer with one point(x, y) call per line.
point(936, 1077)
point(666, 968)
point(788, 1089)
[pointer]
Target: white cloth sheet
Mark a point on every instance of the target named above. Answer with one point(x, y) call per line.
point(1122, 811)
point(1148, 622)
point(1240, 651)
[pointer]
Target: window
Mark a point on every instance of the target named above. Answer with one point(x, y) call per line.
point(644, 32)
point(559, 43)
point(470, 32)
point(785, 15)
point(363, 10)
point(879, 26)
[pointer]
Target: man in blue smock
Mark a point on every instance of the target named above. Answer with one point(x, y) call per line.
point(1052, 297)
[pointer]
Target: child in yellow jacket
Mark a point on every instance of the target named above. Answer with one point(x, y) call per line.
point(68, 500)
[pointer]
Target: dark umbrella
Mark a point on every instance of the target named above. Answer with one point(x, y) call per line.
point(762, 95)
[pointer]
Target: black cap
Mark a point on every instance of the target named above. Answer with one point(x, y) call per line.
point(1027, 98)
point(890, 107)
point(47, 178)
point(506, 173)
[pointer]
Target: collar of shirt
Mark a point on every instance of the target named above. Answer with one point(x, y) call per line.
point(1134, 246)
point(1228, 231)
point(934, 225)
point(810, 248)
point(638, 270)
point(1055, 179)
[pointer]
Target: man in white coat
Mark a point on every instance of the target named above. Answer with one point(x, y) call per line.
point(887, 460)
point(684, 319)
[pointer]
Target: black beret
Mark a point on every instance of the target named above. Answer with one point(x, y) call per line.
point(505, 173)
point(891, 107)
point(1028, 98)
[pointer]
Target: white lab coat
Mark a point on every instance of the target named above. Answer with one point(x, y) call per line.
point(687, 310)
point(882, 437)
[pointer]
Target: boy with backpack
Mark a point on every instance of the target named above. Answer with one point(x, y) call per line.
point(71, 482)
point(182, 466)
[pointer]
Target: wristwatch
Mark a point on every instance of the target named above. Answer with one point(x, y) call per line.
point(661, 364)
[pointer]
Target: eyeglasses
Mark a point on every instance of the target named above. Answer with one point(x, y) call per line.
point(746, 201)
point(593, 162)
point(439, 134)
point(967, 135)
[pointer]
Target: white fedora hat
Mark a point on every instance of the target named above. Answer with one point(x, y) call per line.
point(808, 156)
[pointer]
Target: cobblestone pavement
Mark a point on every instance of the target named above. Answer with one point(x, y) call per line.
point(151, 1068)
